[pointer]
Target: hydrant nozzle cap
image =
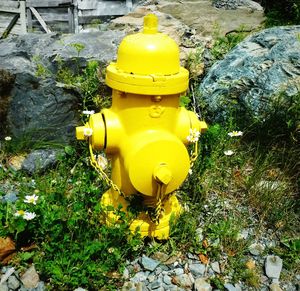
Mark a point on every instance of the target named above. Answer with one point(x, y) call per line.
point(162, 174)
point(150, 24)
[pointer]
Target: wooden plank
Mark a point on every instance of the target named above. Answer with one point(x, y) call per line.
point(10, 10)
point(40, 19)
point(71, 19)
point(76, 22)
point(49, 3)
point(54, 17)
point(10, 26)
point(87, 4)
point(9, 4)
point(106, 8)
point(23, 17)
point(5, 19)
point(29, 20)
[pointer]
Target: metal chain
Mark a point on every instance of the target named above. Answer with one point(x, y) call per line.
point(158, 206)
point(194, 155)
point(101, 172)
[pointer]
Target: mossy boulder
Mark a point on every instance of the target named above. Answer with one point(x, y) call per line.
point(245, 85)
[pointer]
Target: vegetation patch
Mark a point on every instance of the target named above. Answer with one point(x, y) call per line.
point(244, 187)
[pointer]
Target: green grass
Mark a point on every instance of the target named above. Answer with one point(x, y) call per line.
point(71, 245)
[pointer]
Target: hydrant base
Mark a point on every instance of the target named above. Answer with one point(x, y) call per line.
point(142, 224)
point(146, 227)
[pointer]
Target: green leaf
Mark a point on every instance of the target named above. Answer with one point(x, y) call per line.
point(69, 150)
point(26, 256)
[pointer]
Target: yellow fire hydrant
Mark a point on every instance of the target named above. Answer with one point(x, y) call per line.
point(145, 132)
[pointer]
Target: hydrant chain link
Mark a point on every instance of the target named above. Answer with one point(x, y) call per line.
point(101, 172)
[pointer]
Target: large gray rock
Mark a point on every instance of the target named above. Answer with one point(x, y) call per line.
point(249, 77)
point(35, 106)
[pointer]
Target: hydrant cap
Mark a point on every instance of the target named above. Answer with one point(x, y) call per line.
point(148, 63)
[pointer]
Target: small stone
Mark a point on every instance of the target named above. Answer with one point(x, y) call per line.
point(273, 266)
point(80, 289)
point(271, 244)
point(3, 287)
point(5, 244)
point(164, 268)
point(15, 162)
point(264, 279)
point(210, 272)
point(160, 256)
point(275, 287)
point(30, 278)
point(197, 269)
point(156, 284)
point(140, 277)
point(191, 278)
point(215, 243)
point(186, 267)
point(151, 278)
point(126, 274)
point(201, 285)
point(139, 286)
point(230, 287)
point(243, 234)
point(13, 283)
point(41, 286)
point(158, 271)
point(256, 249)
point(10, 197)
point(184, 281)
point(192, 256)
point(167, 279)
point(216, 267)
point(178, 271)
point(149, 264)
point(128, 286)
point(171, 260)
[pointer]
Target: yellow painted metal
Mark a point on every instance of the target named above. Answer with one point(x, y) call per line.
point(146, 227)
point(144, 133)
point(148, 63)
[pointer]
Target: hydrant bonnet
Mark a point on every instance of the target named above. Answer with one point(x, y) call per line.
point(148, 63)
